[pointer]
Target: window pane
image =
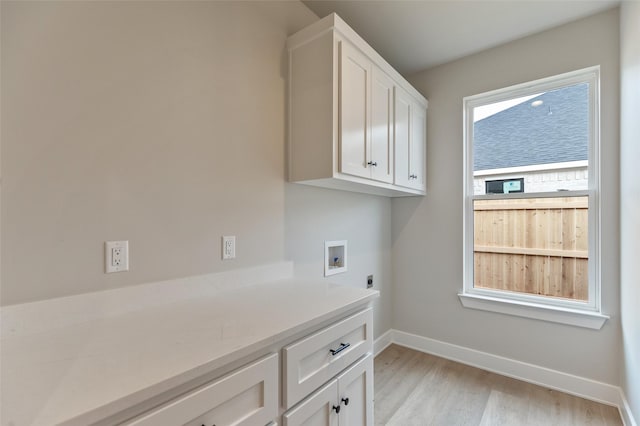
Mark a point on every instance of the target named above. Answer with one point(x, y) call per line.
point(533, 245)
point(542, 139)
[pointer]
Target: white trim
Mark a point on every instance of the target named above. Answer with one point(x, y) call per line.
point(575, 317)
point(625, 411)
point(382, 342)
point(522, 308)
point(569, 383)
point(553, 379)
point(533, 168)
point(535, 86)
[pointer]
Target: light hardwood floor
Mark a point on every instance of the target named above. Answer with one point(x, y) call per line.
point(414, 388)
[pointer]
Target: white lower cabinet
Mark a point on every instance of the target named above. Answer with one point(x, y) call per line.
point(315, 359)
point(326, 377)
point(355, 393)
point(317, 410)
point(346, 400)
point(247, 396)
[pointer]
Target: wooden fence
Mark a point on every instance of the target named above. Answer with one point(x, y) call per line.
point(535, 245)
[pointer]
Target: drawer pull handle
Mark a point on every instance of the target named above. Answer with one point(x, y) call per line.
point(342, 347)
point(336, 408)
point(346, 401)
point(372, 163)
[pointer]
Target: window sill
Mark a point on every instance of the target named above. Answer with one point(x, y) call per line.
point(593, 320)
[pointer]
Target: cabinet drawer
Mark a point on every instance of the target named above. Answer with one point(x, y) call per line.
point(247, 396)
point(314, 360)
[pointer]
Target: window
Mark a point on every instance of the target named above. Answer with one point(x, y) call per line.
point(531, 200)
point(504, 186)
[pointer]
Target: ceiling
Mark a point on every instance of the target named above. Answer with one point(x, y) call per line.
point(415, 35)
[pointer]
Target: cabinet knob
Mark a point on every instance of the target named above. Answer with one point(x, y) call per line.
point(346, 401)
point(413, 176)
point(336, 408)
point(371, 163)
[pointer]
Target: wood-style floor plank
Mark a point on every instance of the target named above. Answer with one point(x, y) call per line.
point(414, 388)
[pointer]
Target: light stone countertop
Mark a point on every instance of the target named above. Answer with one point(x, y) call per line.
point(78, 359)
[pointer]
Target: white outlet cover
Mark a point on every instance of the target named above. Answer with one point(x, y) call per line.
point(228, 247)
point(116, 256)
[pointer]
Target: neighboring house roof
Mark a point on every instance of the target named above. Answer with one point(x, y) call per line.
point(556, 131)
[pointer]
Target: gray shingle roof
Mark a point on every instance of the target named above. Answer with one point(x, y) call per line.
point(554, 132)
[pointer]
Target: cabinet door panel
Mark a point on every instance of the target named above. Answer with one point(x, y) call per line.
point(381, 126)
point(317, 410)
point(355, 385)
point(410, 141)
point(355, 80)
point(418, 147)
point(402, 136)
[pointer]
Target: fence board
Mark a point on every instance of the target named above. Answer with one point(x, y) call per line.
point(535, 246)
point(533, 203)
point(583, 254)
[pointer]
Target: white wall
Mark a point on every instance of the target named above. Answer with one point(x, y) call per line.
point(162, 123)
point(630, 201)
point(427, 233)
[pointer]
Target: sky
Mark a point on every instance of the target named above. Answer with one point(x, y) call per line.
point(485, 111)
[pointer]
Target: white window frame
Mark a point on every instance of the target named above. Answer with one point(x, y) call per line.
point(584, 314)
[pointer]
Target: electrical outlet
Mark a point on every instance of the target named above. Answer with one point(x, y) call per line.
point(369, 281)
point(228, 247)
point(116, 256)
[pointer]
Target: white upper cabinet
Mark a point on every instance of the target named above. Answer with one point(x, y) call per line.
point(342, 119)
point(409, 134)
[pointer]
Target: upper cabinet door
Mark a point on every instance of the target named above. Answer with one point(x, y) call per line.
point(381, 158)
point(355, 83)
point(410, 141)
point(417, 152)
point(402, 136)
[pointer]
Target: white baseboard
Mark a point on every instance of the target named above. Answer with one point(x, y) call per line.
point(381, 343)
point(553, 379)
point(625, 411)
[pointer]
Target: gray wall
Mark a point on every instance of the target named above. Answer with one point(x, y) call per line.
point(630, 201)
point(314, 215)
point(162, 123)
point(427, 233)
